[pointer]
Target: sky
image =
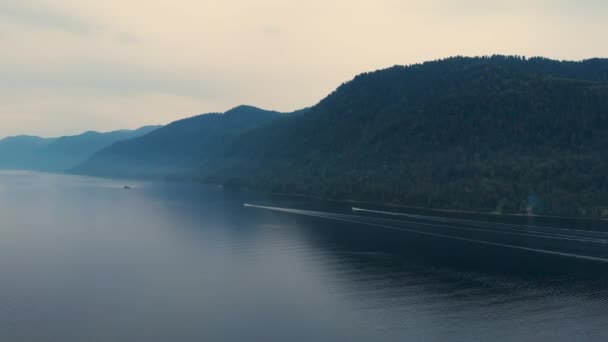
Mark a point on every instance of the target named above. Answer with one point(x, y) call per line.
point(68, 66)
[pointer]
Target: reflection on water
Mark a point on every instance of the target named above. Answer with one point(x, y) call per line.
point(83, 259)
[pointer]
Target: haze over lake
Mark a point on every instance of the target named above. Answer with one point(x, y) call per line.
point(303, 171)
point(82, 259)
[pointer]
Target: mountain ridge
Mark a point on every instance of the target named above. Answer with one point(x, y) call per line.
point(60, 153)
point(476, 133)
point(441, 135)
point(177, 149)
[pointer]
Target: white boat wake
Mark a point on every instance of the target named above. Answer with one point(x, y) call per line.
point(364, 221)
point(454, 220)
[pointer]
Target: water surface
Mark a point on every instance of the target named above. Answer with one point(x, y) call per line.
point(82, 259)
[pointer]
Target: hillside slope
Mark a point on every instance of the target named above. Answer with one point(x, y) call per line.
point(19, 152)
point(497, 133)
point(180, 149)
point(58, 154)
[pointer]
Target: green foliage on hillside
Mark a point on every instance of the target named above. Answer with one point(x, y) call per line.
point(461, 133)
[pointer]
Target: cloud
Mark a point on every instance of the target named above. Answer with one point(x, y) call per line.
point(271, 31)
point(127, 38)
point(45, 17)
point(107, 78)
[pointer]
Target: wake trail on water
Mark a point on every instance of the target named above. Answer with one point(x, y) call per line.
point(474, 222)
point(357, 220)
point(493, 230)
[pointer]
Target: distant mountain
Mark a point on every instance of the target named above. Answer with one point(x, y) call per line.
point(180, 149)
point(498, 133)
point(58, 154)
point(19, 152)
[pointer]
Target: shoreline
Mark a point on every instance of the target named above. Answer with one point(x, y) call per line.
point(344, 201)
point(438, 210)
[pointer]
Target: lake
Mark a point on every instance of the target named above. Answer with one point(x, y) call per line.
point(82, 259)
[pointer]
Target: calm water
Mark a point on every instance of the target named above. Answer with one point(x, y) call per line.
point(82, 259)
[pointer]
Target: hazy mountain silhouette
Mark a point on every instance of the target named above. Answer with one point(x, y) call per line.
point(180, 149)
point(58, 154)
point(19, 152)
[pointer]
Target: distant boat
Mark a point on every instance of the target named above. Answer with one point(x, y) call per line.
point(126, 187)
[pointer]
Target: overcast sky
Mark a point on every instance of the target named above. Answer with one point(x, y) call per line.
point(68, 66)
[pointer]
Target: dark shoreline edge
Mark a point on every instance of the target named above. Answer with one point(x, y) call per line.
point(195, 180)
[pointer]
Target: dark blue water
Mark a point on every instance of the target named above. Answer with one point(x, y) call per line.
point(82, 259)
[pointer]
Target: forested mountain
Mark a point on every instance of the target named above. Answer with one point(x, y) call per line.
point(58, 154)
point(496, 133)
point(490, 133)
point(180, 149)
